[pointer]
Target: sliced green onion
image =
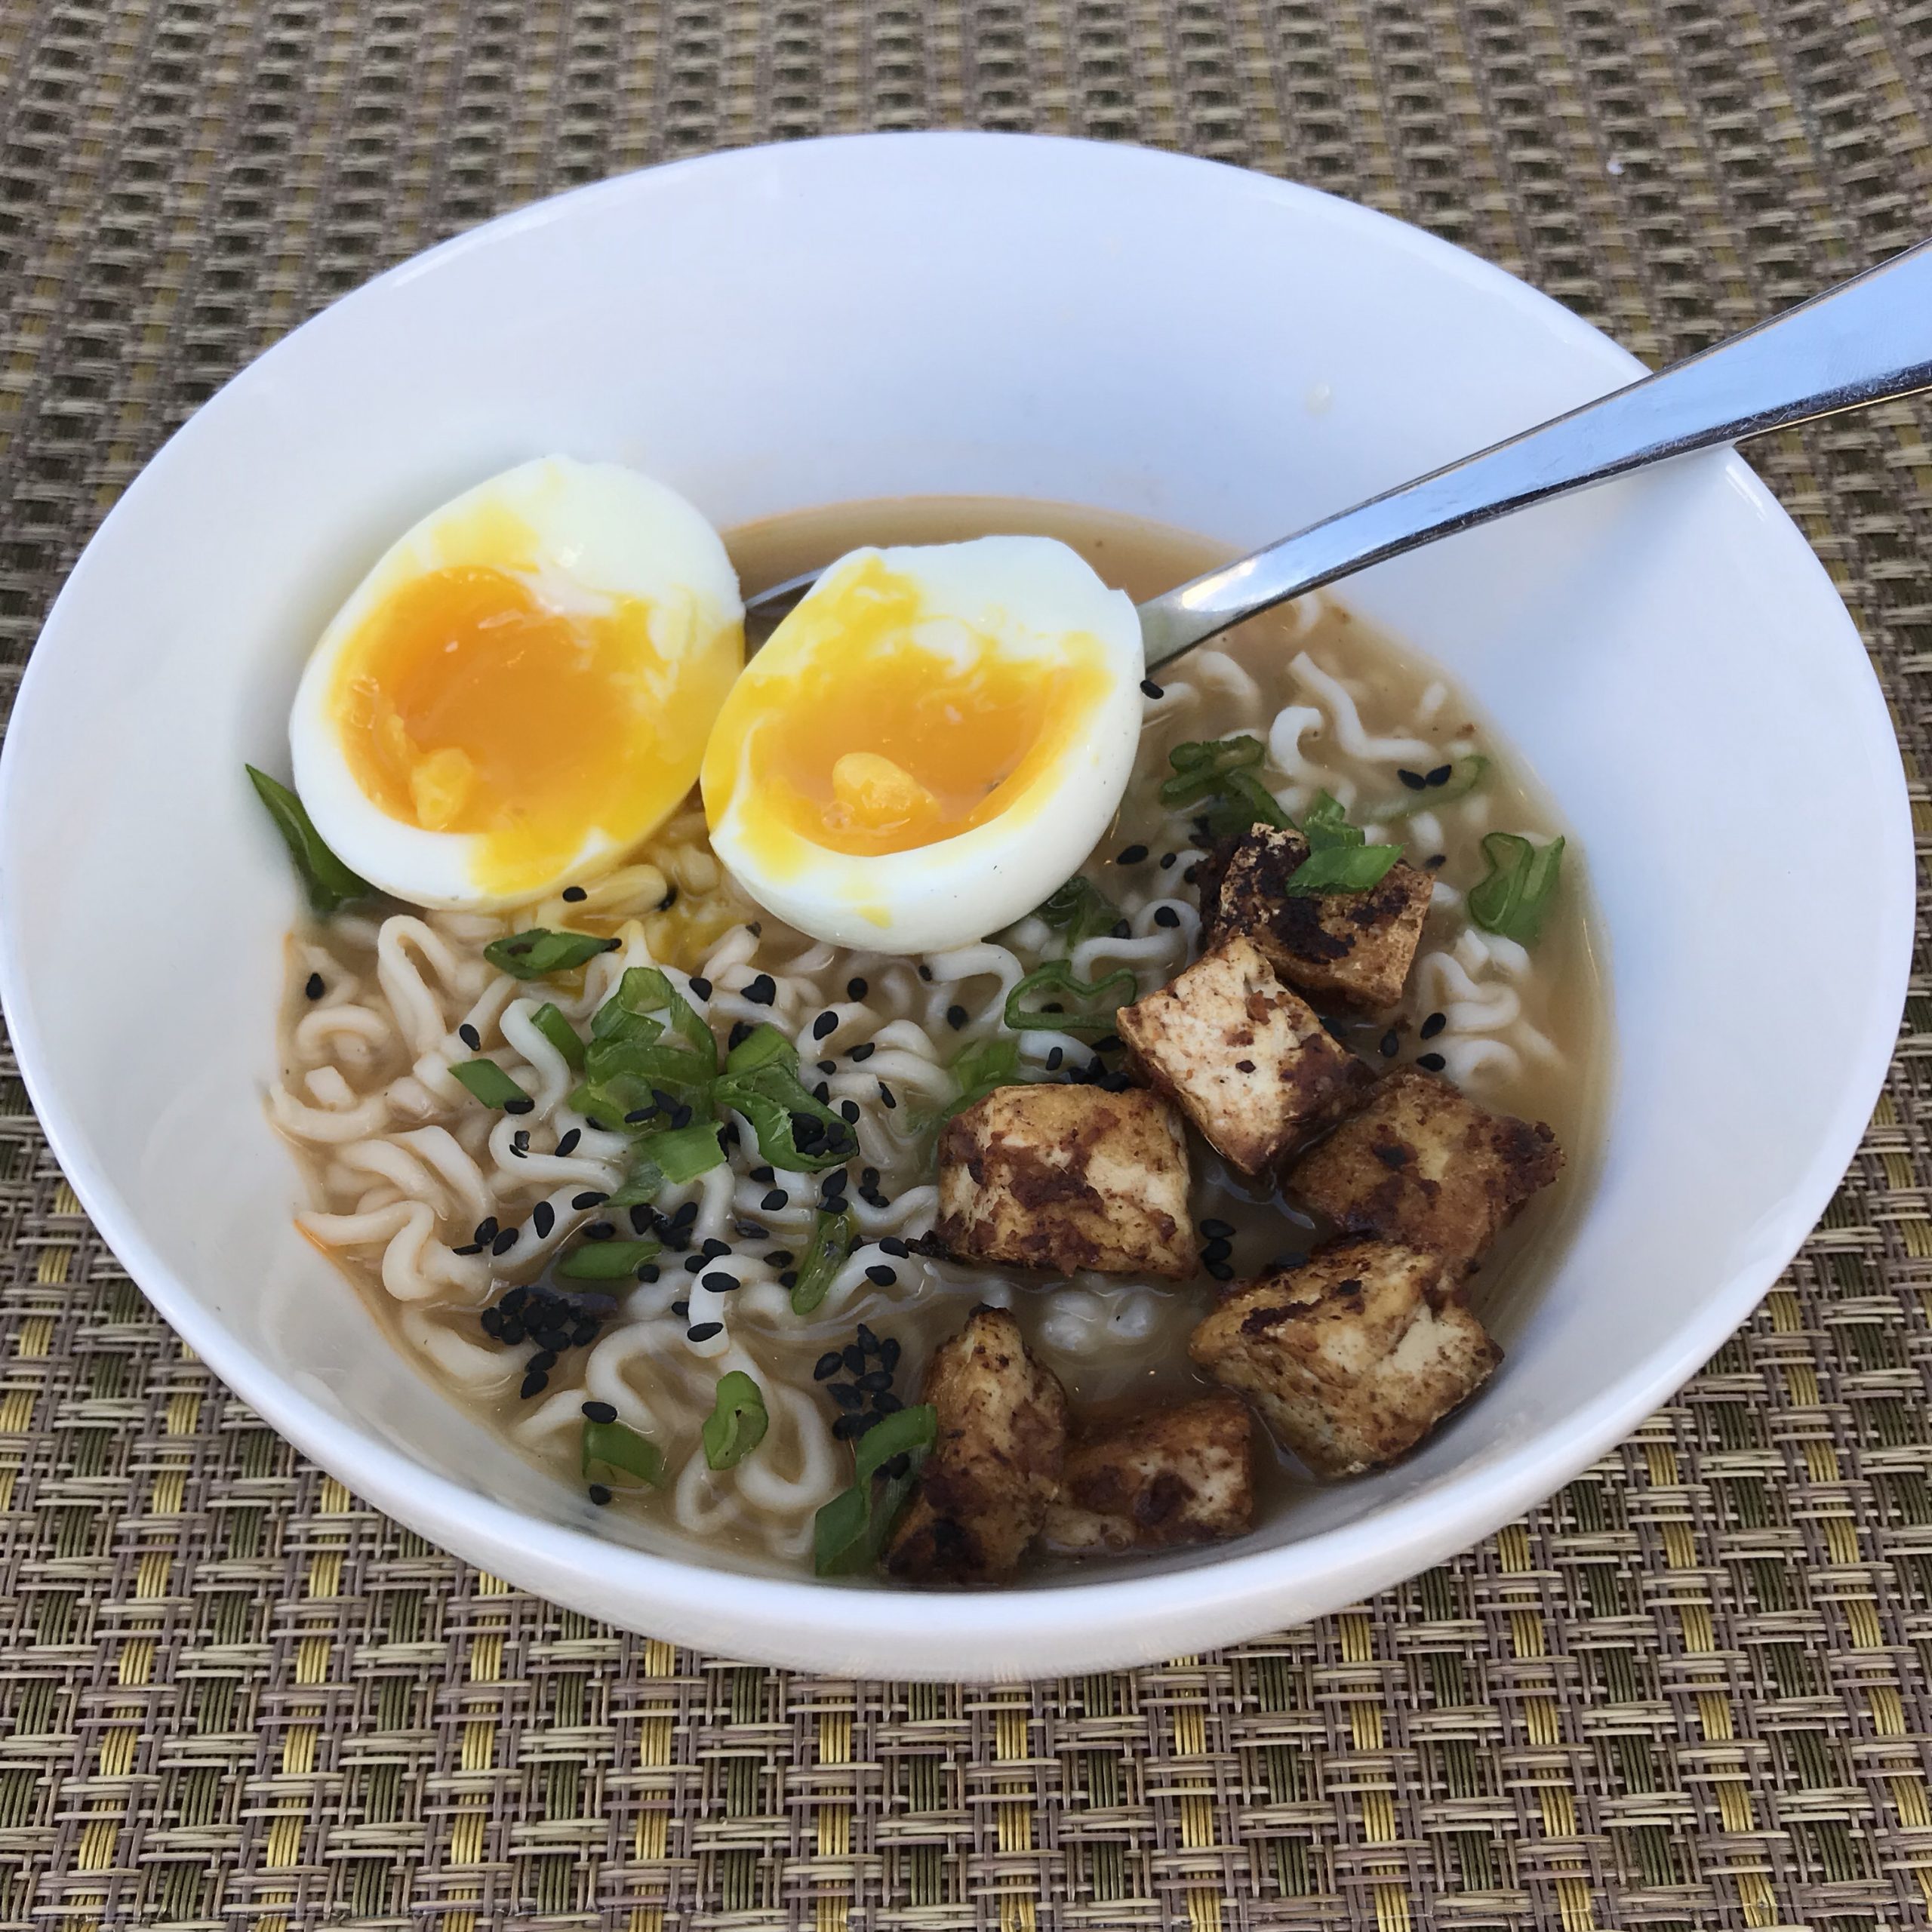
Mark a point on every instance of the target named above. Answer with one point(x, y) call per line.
point(825, 1254)
point(645, 989)
point(611, 1021)
point(538, 953)
point(490, 1083)
point(774, 1099)
point(982, 1069)
point(640, 1186)
point(683, 1153)
point(1202, 767)
point(606, 1261)
point(1341, 868)
point(1325, 824)
point(851, 1530)
point(329, 883)
point(1245, 801)
point(548, 1020)
point(1465, 775)
point(1080, 909)
point(761, 1046)
point(645, 1068)
point(615, 1445)
point(737, 1422)
point(1513, 897)
point(1095, 1005)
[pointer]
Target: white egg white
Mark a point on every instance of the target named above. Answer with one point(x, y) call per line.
point(1029, 594)
point(602, 532)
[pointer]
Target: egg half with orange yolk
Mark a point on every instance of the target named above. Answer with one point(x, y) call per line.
point(929, 743)
point(521, 689)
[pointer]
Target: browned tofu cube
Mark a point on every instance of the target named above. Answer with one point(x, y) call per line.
point(1173, 1475)
point(1347, 949)
point(1422, 1164)
point(1248, 1060)
point(995, 1464)
point(1352, 1357)
point(1065, 1178)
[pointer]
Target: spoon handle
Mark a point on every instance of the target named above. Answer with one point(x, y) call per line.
point(1865, 341)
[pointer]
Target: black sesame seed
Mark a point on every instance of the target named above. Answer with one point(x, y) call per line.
point(847, 1398)
point(469, 1035)
point(643, 1219)
point(1414, 780)
point(543, 1362)
point(844, 1427)
point(885, 1404)
point(515, 1300)
point(492, 1319)
point(887, 1095)
point(762, 990)
point(600, 1230)
point(1166, 915)
point(504, 1242)
point(764, 1176)
point(741, 1031)
point(542, 1218)
point(669, 899)
point(874, 1382)
point(778, 1257)
point(1132, 855)
point(575, 895)
point(520, 1142)
point(522, 1104)
point(584, 1333)
point(486, 1230)
point(1217, 1230)
point(599, 1494)
point(1121, 929)
point(1220, 1271)
point(1440, 776)
point(704, 1331)
point(827, 1366)
point(1167, 860)
point(834, 1184)
point(1390, 1044)
point(512, 1335)
point(1110, 1043)
point(850, 1108)
point(1216, 1250)
point(1433, 1025)
point(892, 1245)
point(751, 1230)
point(700, 985)
point(589, 1198)
point(599, 1412)
point(822, 1093)
point(898, 1468)
point(720, 1283)
point(756, 927)
point(713, 1247)
point(1191, 876)
point(853, 1356)
point(694, 1263)
point(1055, 1059)
point(469, 1247)
point(314, 986)
point(1431, 1062)
point(687, 1213)
point(888, 1353)
point(647, 1271)
point(638, 1114)
point(925, 971)
point(775, 1200)
point(535, 1383)
point(867, 1341)
point(863, 1050)
point(825, 1026)
point(681, 1309)
point(1149, 689)
point(1435, 862)
point(881, 1275)
point(955, 1017)
point(826, 1065)
point(612, 945)
point(789, 1279)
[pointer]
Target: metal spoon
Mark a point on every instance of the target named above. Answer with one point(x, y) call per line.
point(1865, 341)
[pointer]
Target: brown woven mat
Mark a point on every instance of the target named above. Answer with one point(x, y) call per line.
point(1690, 1691)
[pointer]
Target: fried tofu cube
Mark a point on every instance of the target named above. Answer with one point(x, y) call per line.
point(995, 1467)
point(1352, 1357)
point(1248, 1060)
point(1424, 1165)
point(1173, 1475)
point(1351, 949)
point(1063, 1178)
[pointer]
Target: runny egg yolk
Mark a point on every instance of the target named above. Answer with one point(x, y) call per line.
point(867, 730)
point(466, 705)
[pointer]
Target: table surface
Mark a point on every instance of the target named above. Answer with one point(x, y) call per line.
point(1691, 1691)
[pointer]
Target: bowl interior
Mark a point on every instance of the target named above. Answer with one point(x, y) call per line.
point(777, 328)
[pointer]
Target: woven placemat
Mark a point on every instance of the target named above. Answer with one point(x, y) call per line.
point(1690, 1691)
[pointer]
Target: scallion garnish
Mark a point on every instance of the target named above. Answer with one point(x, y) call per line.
point(538, 952)
point(490, 1083)
point(645, 990)
point(1201, 765)
point(761, 1046)
point(615, 1445)
point(825, 1254)
point(761, 1081)
point(983, 1067)
point(683, 1153)
point(548, 1020)
point(1093, 1007)
point(329, 883)
point(1325, 824)
point(737, 1422)
point(641, 1186)
point(1513, 897)
point(1341, 868)
point(607, 1260)
point(1080, 909)
point(851, 1530)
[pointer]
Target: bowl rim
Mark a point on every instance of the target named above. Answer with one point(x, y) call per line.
point(1232, 1593)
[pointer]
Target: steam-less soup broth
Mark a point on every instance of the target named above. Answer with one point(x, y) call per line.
point(435, 1205)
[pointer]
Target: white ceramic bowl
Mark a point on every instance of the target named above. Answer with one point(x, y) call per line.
point(789, 326)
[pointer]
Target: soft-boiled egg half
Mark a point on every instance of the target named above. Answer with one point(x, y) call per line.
point(930, 742)
point(521, 688)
